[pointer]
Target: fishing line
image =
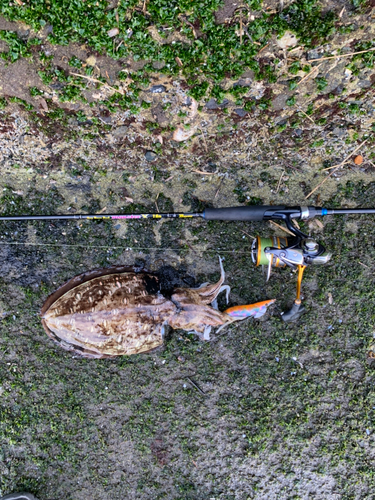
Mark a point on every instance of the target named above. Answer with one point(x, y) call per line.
point(129, 249)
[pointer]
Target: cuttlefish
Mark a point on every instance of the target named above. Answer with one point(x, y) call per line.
point(120, 311)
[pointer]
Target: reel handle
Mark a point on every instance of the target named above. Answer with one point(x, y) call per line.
point(297, 308)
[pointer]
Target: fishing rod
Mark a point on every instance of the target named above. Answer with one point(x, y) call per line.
point(297, 251)
point(251, 213)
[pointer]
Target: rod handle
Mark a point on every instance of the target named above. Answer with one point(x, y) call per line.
point(251, 213)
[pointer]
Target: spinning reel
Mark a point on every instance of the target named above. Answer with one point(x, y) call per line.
point(296, 252)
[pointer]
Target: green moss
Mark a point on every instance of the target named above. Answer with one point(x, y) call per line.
point(214, 55)
point(16, 47)
point(75, 62)
point(34, 91)
point(294, 67)
point(198, 91)
point(3, 103)
point(317, 144)
point(321, 83)
point(25, 104)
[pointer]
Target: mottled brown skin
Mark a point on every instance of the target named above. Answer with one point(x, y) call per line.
point(118, 311)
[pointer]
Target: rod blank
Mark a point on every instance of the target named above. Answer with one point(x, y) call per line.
point(101, 216)
point(249, 213)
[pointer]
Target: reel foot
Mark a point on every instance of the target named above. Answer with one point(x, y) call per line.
point(294, 313)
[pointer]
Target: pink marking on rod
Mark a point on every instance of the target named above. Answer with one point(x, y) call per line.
point(126, 217)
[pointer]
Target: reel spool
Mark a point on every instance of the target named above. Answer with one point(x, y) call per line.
point(258, 255)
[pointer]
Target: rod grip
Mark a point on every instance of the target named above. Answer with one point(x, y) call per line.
point(251, 213)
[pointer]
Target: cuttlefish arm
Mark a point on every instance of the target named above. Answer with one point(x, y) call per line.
point(205, 294)
point(195, 314)
point(193, 310)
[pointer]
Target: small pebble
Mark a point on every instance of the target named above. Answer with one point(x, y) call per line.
point(150, 156)
point(224, 104)
point(212, 104)
point(120, 132)
point(240, 112)
point(105, 118)
point(157, 89)
point(158, 64)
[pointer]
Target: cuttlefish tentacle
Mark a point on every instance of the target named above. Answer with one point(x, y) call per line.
point(222, 288)
point(209, 292)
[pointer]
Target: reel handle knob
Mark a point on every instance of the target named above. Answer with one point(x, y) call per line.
point(294, 313)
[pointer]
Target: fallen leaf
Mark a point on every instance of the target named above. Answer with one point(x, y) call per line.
point(181, 134)
point(204, 173)
point(43, 103)
point(296, 224)
point(178, 61)
point(91, 61)
point(113, 32)
point(193, 108)
point(287, 40)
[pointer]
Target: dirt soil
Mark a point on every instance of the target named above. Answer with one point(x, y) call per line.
point(265, 410)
